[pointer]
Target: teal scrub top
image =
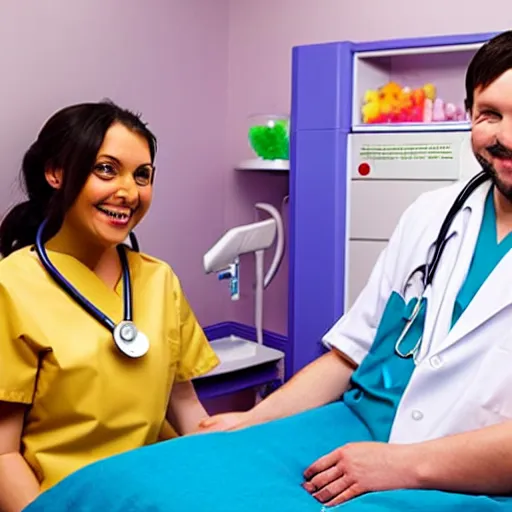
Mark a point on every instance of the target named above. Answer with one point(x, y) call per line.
point(379, 382)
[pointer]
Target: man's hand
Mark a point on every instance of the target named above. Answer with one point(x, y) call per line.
point(358, 468)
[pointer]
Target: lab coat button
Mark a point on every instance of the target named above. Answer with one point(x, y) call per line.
point(436, 362)
point(417, 415)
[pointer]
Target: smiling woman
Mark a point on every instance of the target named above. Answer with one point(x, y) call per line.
point(68, 395)
point(116, 194)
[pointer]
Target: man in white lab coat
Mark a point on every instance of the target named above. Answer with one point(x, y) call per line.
point(438, 404)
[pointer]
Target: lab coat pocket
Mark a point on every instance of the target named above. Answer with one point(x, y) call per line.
point(493, 384)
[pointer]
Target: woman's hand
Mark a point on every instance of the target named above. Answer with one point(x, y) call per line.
point(224, 422)
point(358, 468)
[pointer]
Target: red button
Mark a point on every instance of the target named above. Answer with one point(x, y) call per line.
point(364, 169)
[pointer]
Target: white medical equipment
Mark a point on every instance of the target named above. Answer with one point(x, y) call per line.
point(224, 259)
point(255, 237)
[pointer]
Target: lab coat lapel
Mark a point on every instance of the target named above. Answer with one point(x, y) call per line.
point(494, 295)
point(474, 314)
point(452, 270)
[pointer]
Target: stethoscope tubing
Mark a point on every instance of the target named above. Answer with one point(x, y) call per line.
point(442, 240)
point(66, 286)
point(429, 269)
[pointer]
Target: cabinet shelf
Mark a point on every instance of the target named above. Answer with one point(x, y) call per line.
point(413, 127)
point(440, 69)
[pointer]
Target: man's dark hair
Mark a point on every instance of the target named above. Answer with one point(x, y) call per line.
point(489, 62)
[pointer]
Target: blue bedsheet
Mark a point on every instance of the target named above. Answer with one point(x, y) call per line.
point(256, 469)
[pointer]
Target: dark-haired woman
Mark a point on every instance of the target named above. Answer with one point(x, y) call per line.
point(69, 395)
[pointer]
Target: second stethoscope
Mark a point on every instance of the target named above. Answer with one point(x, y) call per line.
point(428, 269)
point(128, 339)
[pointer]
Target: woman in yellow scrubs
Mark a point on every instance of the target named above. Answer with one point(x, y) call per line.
point(68, 395)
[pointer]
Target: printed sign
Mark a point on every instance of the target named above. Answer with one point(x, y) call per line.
point(408, 156)
point(406, 152)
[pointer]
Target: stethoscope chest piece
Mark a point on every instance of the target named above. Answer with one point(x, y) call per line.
point(129, 340)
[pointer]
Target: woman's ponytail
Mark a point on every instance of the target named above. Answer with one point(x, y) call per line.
point(19, 227)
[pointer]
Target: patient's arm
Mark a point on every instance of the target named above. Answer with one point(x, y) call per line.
point(479, 461)
point(18, 484)
point(185, 410)
point(321, 382)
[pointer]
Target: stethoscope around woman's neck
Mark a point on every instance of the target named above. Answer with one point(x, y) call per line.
point(128, 339)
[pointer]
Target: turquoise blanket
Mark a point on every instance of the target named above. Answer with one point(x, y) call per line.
point(256, 469)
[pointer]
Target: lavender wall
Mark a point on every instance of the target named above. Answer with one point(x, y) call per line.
point(165, 58)
point(261, 37)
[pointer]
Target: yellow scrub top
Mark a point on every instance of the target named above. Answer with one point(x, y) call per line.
point(89, 401)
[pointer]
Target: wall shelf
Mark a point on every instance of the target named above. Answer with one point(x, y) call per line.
point(236, 353)
point(257, 164)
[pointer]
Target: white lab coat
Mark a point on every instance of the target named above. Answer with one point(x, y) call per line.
point(463, 378)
